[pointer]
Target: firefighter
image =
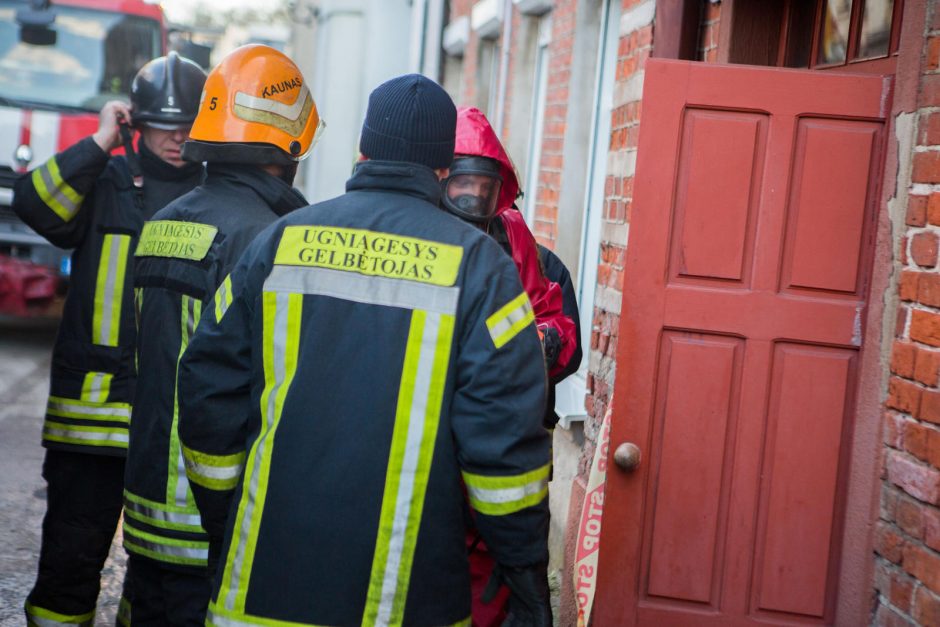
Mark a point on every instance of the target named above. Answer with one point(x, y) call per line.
point(480, 189)
point(370, 351)
point(96, 204)
point(257, 120)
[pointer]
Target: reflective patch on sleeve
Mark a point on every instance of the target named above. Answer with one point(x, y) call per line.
point(498, 496)
point(176, 239)
point(513, 317)
point(96, 386)
point(216, 472)
point(223, 298)
point(55, 192)
point(371, 253)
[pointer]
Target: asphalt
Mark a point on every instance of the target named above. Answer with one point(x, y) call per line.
point(25, 351)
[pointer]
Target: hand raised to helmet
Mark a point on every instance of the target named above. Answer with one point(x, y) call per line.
point(108, 135)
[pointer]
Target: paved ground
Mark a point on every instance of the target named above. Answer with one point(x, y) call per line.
point(25, 350)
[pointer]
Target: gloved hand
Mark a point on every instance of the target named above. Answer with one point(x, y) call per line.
point(529, 598)
point(551, 344)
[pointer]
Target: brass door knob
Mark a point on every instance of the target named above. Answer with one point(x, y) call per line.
point(627, 456)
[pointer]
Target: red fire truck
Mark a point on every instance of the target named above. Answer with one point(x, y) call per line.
point(59, 63)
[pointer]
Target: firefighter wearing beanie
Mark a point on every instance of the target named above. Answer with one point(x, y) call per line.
point(373, 354)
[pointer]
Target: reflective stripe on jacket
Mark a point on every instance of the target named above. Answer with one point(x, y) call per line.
point(84, 200)
point(374, 350)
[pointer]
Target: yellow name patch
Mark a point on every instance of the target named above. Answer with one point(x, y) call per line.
point(370, 252)
point(171, 238)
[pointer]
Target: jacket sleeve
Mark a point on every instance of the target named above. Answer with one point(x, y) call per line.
point(215, 410)
point(496, 413)
point(545, 295)
point(51, 198)
point(556, 272)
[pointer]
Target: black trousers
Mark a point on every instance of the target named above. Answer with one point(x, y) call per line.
point(83, 506)
point(162, 595)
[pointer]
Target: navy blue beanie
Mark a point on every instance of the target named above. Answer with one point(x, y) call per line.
point(410, 118)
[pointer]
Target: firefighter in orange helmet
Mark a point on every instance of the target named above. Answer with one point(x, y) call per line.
point(256, 121)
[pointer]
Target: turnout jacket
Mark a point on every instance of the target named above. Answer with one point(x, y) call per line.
point(84, 199)
point(375, 350)
point(185, 252)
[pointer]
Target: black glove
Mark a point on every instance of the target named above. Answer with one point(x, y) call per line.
point(551, 345)
point(529, 598)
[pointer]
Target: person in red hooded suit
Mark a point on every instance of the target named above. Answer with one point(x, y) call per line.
point(481, 189)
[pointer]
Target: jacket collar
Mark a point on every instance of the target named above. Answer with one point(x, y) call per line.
point(278, 195)
point(396, 176)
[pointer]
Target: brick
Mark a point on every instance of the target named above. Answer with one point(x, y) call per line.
point(915, 441)
point(924, 248)
point(908, 286)
point(916, 211)
point(918, 480)
point(893, 434)
point(900, 322)
point(933, 209)
point(903, 396)
point(902, 254)
point(901, 592)
point(922, 564)
point(889, 502)
point(927, 366)
point(910, 517)
point(932, 528)
point(929, 406)
point(928, 131)
point(929, 94)
point(925, 327)
point(902, 359)
point(926, 167)
point(926, 608)
point(928, 288)
point(887, 617)
point(932, 62)
point(889, 544)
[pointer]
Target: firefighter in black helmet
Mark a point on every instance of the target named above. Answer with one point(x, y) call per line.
point(85, 199)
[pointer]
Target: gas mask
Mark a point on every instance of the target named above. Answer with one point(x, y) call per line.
point(471, 191)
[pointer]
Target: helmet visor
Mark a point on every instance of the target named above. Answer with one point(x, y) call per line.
point(472, 189)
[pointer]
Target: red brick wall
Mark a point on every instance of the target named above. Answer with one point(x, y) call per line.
point(708, 33)
point(907, 534)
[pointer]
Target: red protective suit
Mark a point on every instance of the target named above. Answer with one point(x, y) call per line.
point(475, 137)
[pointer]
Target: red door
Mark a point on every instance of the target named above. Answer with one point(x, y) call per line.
point(746, 282)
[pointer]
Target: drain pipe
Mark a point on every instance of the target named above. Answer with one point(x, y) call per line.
point(504, 67)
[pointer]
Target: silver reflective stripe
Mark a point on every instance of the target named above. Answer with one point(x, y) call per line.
point(107, 316)
point(270, 416)
point(48, 622)
point(182, 482)
point(511, 318)
point(371, 290)
point(416, 427)
point(109, 436)
point(222, 473)
point(57, 194)
point(179, 518)
point(507, 495)
point(165, 549)
point(90, 412)
point(96, 391)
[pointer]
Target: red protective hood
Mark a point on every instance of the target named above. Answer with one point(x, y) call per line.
point(475, 137)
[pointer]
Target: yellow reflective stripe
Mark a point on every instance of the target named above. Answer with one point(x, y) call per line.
point(511, 318)
point(216, 472)
point(55, 192)
point(177, 239)
point(124, 612)
point(88, 410)
point(218, 616)
point(96, 386)
point(172, 550)
point(281, 315)
point(177, 485)
point(417, 417)
point(47, 618)
point(223, 298)
point(370, 252)
point(109, 289)
point(503, 495)
point(163, 515)
point(84, 435)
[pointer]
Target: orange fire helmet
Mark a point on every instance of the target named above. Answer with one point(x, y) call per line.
point(255, 108)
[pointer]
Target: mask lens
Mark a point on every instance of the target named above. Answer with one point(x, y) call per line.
point(474, 195)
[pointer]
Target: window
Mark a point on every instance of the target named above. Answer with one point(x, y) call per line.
point(534, 151)
point(833, 33)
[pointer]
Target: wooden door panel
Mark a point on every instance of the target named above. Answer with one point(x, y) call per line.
point(729, 146)
point(806, 419)
point(827, 205)
point(745, 284)
point(694, 425)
